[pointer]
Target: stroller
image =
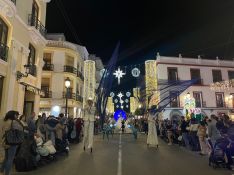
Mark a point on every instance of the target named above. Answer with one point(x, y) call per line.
point(46, 150)
point(61, 146)
point(218, 154)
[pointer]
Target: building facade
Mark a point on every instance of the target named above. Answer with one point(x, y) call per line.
point(62, 60)
point(207, 100)
point(22, 37)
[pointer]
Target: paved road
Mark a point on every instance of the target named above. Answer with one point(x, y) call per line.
point(122, 155)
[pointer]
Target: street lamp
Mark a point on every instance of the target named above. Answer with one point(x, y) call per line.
point(67, 85)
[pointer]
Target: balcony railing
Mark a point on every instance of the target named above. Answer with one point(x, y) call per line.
point(33, 21)
point(80, 75)
point(48, 67)
point(70, 69)
point(69, 95)
point(32, 70)
point(47, 94)
point(79, 98)
point(14, 1)
point(3, 52)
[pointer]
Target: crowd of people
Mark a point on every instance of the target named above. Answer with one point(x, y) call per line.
point(211, 136)
point(43, 139)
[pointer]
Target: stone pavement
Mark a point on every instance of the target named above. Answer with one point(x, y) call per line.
point(125, 156)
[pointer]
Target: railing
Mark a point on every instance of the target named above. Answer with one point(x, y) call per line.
point(80, 75)
point(48, 67)
point(14, 1)
point(33, 70)
point(69, 95)
point(3, 51)
point(79, 98)
point(33, 21)
point(47, 94)
point(70, 69)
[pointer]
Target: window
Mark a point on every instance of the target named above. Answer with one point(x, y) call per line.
point(232, 99)
point(3, 40)
point(195, 74)
point(1, 89)
point(217, 75)
point(32, 55)
point(198, 98)
point(219, 99)
point(35, 10)
point(3, 32)
point(172, 74)
point(47, 58)
point(174, 101)
point(231, 75)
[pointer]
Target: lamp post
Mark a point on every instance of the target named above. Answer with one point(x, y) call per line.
point(67, 85)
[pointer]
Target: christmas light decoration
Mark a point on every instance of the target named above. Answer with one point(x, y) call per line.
point(136, 72)
point(119, 74)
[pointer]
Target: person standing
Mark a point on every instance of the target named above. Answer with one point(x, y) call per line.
point(89, 119)
point(32, 128)
point(213, 132)
point(184, 131)
point(10, 122)
point(201, 133)
point(152, 138)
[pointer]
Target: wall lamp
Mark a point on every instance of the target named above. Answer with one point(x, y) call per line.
point(20, 75)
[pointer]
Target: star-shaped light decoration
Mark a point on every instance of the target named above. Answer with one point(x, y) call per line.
point(119, 74)
point(120, 95)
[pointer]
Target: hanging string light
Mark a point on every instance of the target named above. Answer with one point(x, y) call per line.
point(222, 85)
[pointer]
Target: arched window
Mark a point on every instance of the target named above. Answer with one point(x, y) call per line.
point(3, 40)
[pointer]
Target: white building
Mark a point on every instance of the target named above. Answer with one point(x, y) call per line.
point(209, 71)
point(62, 60)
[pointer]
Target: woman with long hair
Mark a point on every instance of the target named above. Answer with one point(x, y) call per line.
point(10, 122)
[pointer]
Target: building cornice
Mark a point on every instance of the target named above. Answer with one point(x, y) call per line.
point(7, 8)
point(199, 65)
point(36, 36)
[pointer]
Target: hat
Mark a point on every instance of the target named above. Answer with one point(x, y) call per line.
point(90, 99)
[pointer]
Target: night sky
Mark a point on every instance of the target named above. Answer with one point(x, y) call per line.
point(189, 27)
point(170, 27)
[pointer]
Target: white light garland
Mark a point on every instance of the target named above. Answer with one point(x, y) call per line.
point(222, 86)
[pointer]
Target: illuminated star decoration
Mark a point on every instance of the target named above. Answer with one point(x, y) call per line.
point(119, 74)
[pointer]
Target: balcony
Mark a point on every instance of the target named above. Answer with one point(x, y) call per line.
point(79, 98)
point(32, 70)
point(70, 69)
point(48, 67)
point(33, 21)
point(80, 75)
point(3, 52)
point(47, 94)
point(69, 95)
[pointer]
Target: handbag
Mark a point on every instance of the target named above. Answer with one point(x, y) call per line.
point(13, 136)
